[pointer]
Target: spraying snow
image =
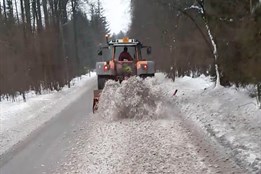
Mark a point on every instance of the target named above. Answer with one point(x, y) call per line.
point(133, 98)
point(140, 127)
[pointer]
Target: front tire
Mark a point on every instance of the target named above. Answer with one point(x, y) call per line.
point(101, 82)
point(144, 76)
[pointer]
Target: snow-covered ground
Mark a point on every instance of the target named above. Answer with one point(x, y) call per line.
point(139, 129)
point(136, 146)
point(19, 119)
point(228, 115)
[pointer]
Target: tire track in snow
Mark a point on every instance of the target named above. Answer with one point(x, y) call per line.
point(145, 138)
point(139, 146)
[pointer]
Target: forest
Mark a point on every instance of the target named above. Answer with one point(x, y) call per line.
point(46, 43)
point(193, 37)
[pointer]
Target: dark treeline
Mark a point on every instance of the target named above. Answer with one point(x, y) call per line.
point(46, 43)
point(181, 33)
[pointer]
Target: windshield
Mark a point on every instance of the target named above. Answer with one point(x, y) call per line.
point(119, 50)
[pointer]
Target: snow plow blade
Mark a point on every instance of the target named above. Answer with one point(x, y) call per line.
point(96, 97)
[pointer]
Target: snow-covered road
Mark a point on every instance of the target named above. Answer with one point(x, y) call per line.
point(46, 147)
point(141, 127)
point(19, 119)
point(143, 146)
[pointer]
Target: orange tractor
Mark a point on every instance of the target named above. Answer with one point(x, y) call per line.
point(118, 67)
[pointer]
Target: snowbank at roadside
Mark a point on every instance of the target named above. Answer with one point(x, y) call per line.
point(134, 98)
point(18, 119)
point(228, 115)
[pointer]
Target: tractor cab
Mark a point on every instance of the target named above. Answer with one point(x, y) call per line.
point(125, 60)
point(117, 46)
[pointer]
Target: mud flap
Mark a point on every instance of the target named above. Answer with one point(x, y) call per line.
point(96, 97)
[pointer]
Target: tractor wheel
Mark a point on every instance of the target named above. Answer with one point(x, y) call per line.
point(101, 82)
point(144, 76)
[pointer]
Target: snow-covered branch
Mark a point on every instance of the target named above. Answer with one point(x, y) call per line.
point(259, 95)
point(214, 53)
point(194, 7)
point(201, 11)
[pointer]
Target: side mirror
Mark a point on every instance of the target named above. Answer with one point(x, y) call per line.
point(149, 50)
point(100, 52)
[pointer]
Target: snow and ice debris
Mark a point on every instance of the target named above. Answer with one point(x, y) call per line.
point(131, 134)
point(135, 146)
point(133, 98)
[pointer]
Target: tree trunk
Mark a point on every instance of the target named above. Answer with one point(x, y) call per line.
point(39, 14)
point(64, 17)
point(250, 6)
point(215, 55)
point(52, 16)
point(214, 45)
point(202, 12)
point(0, 20)
point(4, 7)
point(10, 13)
point(22, 11)
point(28, 15)
point(73, 3)
point(16, 9)
point(63, 20)
point(46, 18)
point(34, 12)
point(259, 95)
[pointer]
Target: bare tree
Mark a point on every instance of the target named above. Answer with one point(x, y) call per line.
point(74, 5)
point(39, 19)
point(4, 7)
point(39, 48)
point(199, 8)
point(17, 15)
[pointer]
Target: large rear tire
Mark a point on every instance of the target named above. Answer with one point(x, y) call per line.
point(144, 76)
point(101, 82)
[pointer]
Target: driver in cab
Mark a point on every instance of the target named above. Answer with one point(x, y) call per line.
point(125, 55)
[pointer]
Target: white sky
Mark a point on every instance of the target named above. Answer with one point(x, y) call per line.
point(117, 13)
